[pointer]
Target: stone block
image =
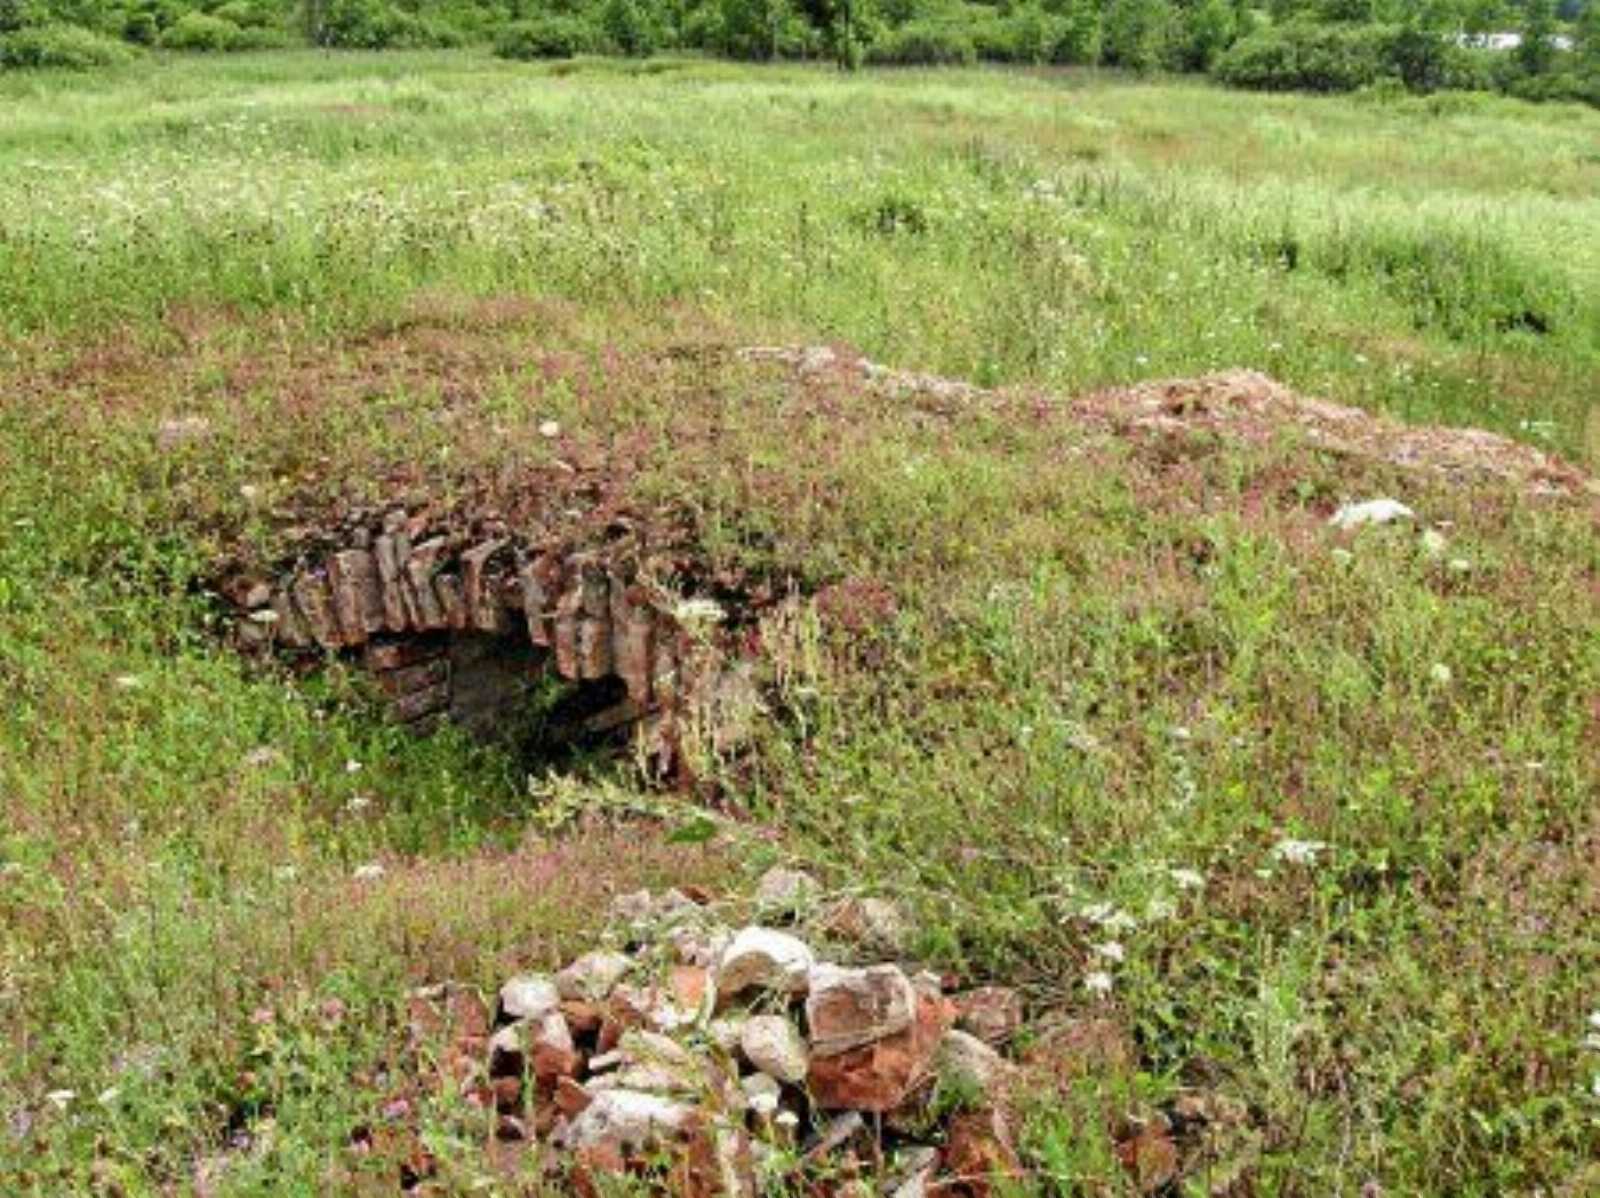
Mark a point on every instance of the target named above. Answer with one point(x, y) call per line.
point(357, 595)
point(313, 600)
point(419, 570)
point(391, 584)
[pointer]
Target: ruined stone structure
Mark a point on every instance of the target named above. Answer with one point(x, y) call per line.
point(460, 624)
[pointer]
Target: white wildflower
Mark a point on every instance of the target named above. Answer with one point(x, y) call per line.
point(1160, 908)
point(1459, 565)
point(352, 767)
point(549, 429)
point(1440, 673)
point(691, 611)
point(370, 872)
point(1188, 879)
point(60, 1099)
point(107, 1096)
point(128, 682)
point(1112, 950)
point(1298, 852)
point(1098, 982)
point(285, 873)
point(1433, 542)
point(358, 804)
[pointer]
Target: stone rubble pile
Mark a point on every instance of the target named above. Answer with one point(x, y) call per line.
point(739, 1061)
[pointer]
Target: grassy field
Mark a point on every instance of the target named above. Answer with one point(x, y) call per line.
point(1100, 670)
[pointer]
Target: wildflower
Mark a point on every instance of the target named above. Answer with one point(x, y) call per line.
point(1111, 950)
point(107, 1096)
point(249, 492)
point(1098, 982)
point(128, 682)
point(370, 872)
point(1459, 565)
point(1188, 879)
point(1433, 542)
point(1297, 852)
point(358, 804)
point(1160, 908)
point(1440, 673)
point(60, 1099)
point(352, 767)
point(285, 873)
point(694, 610)
point(549, 429)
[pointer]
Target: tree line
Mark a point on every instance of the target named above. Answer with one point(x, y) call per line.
point(1541, 49)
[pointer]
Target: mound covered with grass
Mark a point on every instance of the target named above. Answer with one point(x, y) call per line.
point(1302, 818)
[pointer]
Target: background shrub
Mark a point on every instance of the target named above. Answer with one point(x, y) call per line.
point(201, 31)
point(923, 44)
point(67, 46)
point(555, 36)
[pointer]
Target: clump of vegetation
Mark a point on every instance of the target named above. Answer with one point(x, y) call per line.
point(65, 46)
point(546, 37)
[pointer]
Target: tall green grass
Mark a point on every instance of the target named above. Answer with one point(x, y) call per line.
point(1056, 235)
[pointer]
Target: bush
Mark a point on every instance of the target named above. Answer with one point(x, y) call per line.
point(1302, 57)
point(66, 46)
point(245, 14)
point(201, 31)
point(631, 27)
point(375, 25)
point(546, 37)
point(923, 44)
point(21, 14)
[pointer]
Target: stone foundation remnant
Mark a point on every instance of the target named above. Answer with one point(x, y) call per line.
point(459, 623)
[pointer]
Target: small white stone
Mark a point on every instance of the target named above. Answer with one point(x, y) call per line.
point(774, 1045)
point(529, 996)
point(766, 958)
point(1372, 511)
point(628, 1118)
point(967, 1062)
point(593, 976)
point(761, 1093)
point(786, 892)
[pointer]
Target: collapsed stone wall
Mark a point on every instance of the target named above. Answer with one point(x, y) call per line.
point(460, 622)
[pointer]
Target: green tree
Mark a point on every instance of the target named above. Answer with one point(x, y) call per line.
point(1135, 33)
point(1536, 54)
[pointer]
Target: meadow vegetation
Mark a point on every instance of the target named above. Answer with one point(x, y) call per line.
point(1536, 49)
point(1331, 796)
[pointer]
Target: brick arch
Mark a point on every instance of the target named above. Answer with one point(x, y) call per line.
point(454, 624)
